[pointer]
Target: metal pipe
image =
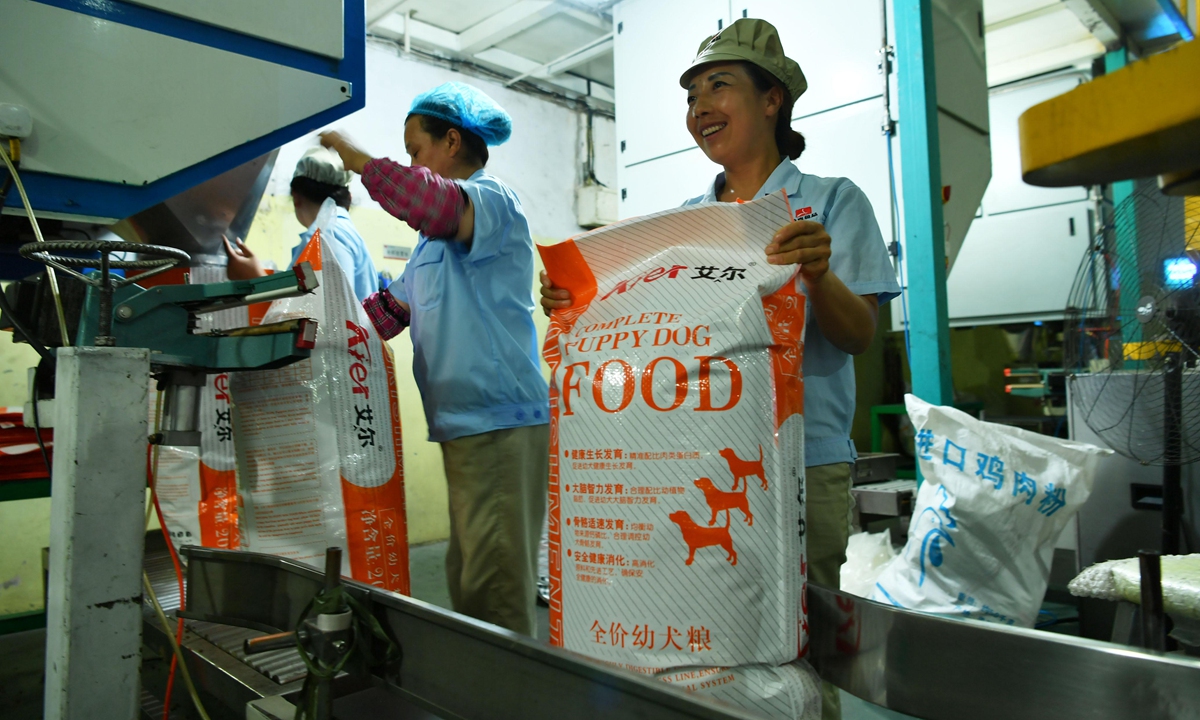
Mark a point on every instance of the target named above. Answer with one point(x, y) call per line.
point(333, 568)
point(104, 336)
point(1153, 620)
point(1172, 507)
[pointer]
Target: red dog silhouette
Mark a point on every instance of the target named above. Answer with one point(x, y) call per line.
point(697, 536)
point(744, 468)
point(719, 500)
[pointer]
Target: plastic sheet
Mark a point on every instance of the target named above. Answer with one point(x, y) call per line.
point(994, 501)
point(866, 556)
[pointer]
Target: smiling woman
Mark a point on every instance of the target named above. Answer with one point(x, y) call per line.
point(741, 89)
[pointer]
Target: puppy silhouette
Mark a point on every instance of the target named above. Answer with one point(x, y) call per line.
point(744, 468)
point(719, 500)
point(698, 536)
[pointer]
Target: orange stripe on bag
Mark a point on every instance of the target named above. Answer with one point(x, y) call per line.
point(784, 310)
point(312, 252)
point(218, 508)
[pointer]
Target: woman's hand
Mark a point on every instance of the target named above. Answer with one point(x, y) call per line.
point(243, 265)
point(805, 243)
point(553, 298)
point(353, 159)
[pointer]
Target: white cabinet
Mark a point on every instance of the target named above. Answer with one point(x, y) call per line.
point(1008, 192)
point(665, 183)
point(654, 44)
point(1018, 267)
point(846, 142)
point(836, 43)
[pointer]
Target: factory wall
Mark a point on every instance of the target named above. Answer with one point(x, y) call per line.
point(542, 162)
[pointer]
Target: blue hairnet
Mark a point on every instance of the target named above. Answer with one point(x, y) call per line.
point(468, 108)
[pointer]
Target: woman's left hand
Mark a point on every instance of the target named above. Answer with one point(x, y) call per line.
point(805, 243)
point(353, 159)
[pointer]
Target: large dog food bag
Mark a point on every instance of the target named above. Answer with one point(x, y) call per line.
point(786, 692)
point(318, 441)
point(993, 504)
point(677, 441)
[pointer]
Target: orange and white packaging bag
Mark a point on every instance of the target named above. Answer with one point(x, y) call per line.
point(318, 442)
point(677, 432)
point(786, 692)
point(197, 487)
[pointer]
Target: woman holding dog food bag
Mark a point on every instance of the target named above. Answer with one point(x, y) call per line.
point(741, 90)
point(465, 298)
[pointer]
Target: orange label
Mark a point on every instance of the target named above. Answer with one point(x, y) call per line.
point(218, 508)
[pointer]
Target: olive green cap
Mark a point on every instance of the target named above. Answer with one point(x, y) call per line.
point(754, 41)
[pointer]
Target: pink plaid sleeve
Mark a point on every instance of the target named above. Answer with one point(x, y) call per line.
point(428, 202)
point(387, 314)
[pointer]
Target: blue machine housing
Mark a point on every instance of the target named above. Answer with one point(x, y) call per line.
point(76, 196)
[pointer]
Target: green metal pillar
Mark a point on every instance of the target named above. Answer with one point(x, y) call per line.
point(924, 233)
point(1129, 278)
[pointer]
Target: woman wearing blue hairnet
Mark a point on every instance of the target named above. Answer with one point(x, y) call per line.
point(318, 175)
point(466, 298)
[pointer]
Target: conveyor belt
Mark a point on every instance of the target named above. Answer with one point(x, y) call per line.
point(282, 666)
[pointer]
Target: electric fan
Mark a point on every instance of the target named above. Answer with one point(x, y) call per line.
point(1132, 339)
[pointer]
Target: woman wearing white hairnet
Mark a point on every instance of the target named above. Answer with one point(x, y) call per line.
point(319, 175)
point(466, 299)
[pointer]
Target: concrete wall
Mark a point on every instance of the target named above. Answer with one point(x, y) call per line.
point(542, 162)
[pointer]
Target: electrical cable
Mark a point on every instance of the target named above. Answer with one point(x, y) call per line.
point(37, 426)
point(37, 231)
point(899, 251)
point(187, 677)
point(152, 455)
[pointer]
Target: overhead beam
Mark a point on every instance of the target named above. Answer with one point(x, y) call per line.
point(394, 26)
point(506, 23)
point(377, 11)
point(1098, 20)
point(566, 61)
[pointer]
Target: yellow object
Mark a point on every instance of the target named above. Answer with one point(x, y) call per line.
point(1150, 349)
point(1141, 120)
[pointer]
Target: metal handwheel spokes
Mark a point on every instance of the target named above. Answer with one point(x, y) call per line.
point(44, 252)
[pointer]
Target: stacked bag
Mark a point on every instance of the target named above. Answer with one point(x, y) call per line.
point(677, 458)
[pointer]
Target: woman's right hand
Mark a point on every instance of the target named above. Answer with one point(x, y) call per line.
point(243, 265)
point(553, 298)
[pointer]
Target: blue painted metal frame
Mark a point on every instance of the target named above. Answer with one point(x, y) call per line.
point(55, 193)
point(924, 234)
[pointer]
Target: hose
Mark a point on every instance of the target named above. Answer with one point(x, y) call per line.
point(37, 231)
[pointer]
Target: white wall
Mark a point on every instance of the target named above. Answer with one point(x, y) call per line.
point(541, 161)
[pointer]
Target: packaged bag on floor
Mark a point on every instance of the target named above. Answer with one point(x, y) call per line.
point(318, 441)
point(994, 501)
point(786, 692)
point(677, 441)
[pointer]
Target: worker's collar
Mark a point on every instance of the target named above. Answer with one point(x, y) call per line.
point(785, 176)
point(342, 214)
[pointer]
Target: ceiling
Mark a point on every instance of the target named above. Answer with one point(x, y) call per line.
point(566, 46)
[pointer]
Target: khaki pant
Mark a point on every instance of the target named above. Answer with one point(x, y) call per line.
point(829, 510)
point(497, 485)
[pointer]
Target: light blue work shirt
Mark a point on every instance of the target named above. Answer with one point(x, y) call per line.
point(351, 252)
point(861, 260)
point(475, 347)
